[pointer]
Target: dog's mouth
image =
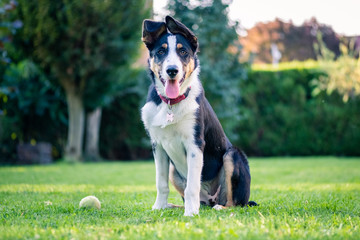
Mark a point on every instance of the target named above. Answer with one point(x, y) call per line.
point(172, 87)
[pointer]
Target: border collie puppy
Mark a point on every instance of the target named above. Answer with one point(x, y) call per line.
point(189, 145)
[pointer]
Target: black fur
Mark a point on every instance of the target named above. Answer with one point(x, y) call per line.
point(153, 96)
point(176, 27)
point(152, 31)
point(241, 177)
point(210, 137)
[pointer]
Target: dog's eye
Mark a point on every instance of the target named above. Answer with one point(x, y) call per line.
point(161, 52)
point(183, 52)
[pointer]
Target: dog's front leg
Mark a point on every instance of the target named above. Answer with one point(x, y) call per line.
point(162, 177)
point(192, 191)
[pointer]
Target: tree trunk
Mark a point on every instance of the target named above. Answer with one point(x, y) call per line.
point(73, 151)
point(93, 121)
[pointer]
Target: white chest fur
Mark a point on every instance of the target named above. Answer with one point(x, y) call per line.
point(176, 136)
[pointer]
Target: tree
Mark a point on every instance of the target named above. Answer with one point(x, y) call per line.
point(221, 71)
point(80, 43)
point(294, 42)
point(7, 29)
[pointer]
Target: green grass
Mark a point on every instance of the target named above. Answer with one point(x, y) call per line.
point(300, 198)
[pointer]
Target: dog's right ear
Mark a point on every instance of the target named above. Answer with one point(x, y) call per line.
point(152, 31)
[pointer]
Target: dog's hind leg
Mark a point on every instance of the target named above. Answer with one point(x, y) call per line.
point(240, 177)
point(237, 179)
point(177, 181)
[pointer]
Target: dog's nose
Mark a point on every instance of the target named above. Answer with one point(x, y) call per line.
point(172, 71)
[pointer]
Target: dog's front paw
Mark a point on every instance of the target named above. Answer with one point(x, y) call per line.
point(191, 209)
point(159, 205)
point(191, 212)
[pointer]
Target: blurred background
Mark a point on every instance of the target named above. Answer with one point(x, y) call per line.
point(282, 76)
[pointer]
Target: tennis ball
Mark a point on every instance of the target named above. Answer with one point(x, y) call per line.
point(90, 202)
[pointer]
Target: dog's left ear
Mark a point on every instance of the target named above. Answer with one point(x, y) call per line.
point(152, 31)
point(176, 27)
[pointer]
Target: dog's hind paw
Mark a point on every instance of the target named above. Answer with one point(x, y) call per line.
point(218, 207)
point(170, 205)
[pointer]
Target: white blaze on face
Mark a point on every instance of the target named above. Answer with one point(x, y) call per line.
point(172, 86)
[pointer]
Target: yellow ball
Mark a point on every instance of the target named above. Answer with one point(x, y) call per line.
point(90, 202)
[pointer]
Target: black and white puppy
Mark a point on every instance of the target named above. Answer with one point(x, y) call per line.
point(189, 145)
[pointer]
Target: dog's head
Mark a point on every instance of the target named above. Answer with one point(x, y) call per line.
point(172, 48)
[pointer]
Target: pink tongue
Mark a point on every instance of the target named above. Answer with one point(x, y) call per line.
point(172, 89)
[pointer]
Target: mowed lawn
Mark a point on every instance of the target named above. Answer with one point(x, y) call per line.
point(300, 198)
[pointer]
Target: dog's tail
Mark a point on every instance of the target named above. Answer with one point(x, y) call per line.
point(252, 204)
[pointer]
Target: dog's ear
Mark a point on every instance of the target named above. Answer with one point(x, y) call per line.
point(152, 31)
point(176, 27)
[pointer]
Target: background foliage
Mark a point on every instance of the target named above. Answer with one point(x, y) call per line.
point(344, 73)
point(282, 116)
point(294, 42)
point(81, 46)
point(33, 110)
point(287, 110)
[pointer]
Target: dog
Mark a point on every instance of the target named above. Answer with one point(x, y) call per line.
point(189, 145)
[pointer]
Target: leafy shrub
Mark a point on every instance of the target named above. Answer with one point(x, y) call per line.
point(343, 75)
point(282, 117)
point(33, 110)
point(122, 134)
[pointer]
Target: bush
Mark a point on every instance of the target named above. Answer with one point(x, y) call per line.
point(122, 134)
point(282, 117)
point(33, 111)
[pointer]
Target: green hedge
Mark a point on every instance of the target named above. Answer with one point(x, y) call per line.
point(32, 110)
point(279, 116)
point(122, 134)
point(282, 117)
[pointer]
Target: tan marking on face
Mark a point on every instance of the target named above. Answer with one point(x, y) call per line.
point(229, 169)
point(154, 67)
point(179, 45)
point(189, 68)
point(164, 45)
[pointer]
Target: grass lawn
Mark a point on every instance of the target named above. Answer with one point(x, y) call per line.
point(300, 198)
